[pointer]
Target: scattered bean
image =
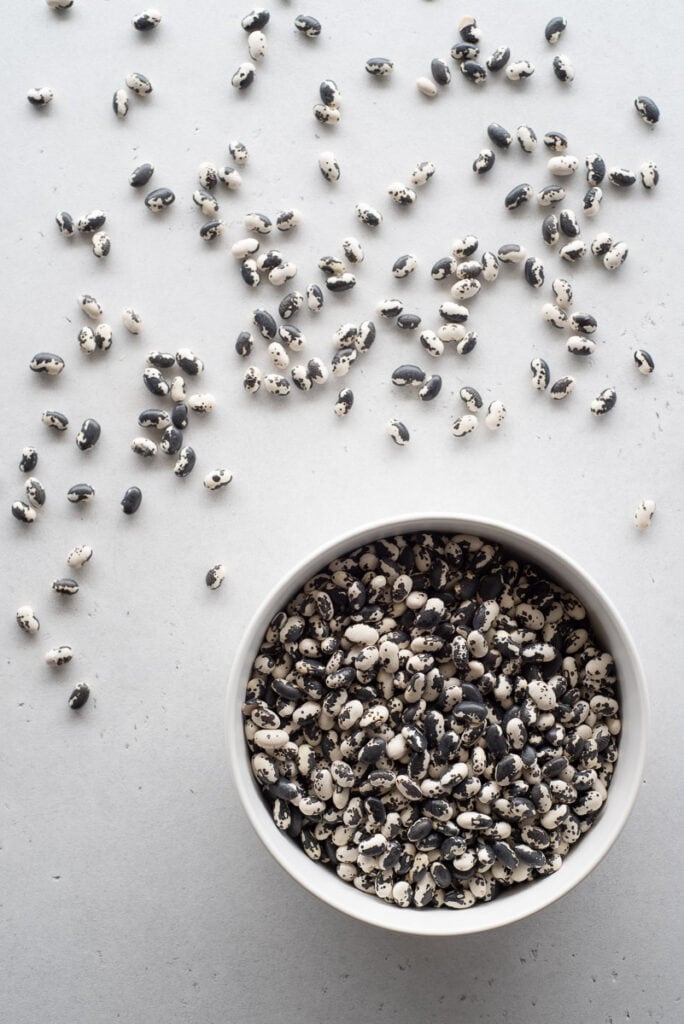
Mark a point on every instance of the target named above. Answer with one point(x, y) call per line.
point(550, 195)
point(131, 501)
point(120, 103)
point(40, 96)
point(132, 321)
point(65, 585)
point(159, 199)
point(484, 161)
point(426, 86)
point(644, 361)
point(583, 323)
point(215, 576)
point(601, 244)
point(78, 556)
point(554, 29)
point(171, 440)
point(526, 137)
point(23, 512)
point(519, 69)
point(211, 230)
point(499, 135)
point(345, 400)
point(644, 514)
point(649, 174)
point(185, 463)
point(27, 620)
point(647, 109)
point(326, 115)
point(80, 493)
point(90, 306)
point(243, 76)
point(147, 20)
point(550, 229)
point(604, 402)
point(56, 420)
point(35, 492)
point(48, 363)
point(139, 83)
point(496, 413)
point(140, 175)
point(217, 478)
point(563, 165)
point(541, 375)
point(421, 173)
point(256, 19)
point(621, 177)
point(499, 58)
point(580, 345)
point(573, 251)
point(511, 252)
point(615, 256)
point(591, 202)
point(563, 68)
point(157, 418)
point(256, 45)
point(464, 425)
point(275, 384)
point(308, 25)
point(58, 656)
point(79, 695)
point(28, 460)
point(562, 387)
point(65, 224)
point(555, 315)
point(398, 432)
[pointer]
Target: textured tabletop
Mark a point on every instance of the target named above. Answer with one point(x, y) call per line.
point(132, 886)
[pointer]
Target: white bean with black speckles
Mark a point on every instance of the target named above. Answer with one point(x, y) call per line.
point(563, 165)
point(615, 256)
point(147, 20)
point(144, 446)
point(139, 83)
point(490, 266)
point(496, 414)
point(421, 173)
point(27, 620)
point(432, 344)
point(120, 103)
point(326, 115)
point(401, 194)
point(215, 576)
point(649, 174)
point(202, 402)
point(541, 375)
point(275, 384)
point(562, 292)
point(79, 555)
point(58, 656)
point(464, 425)
point(644, 514)
point(518, 70)
point(465, 289)
point(217, 478)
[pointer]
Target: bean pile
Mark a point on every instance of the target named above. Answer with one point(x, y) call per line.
point(433, 719)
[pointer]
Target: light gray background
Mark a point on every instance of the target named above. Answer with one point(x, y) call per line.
point(131, 885)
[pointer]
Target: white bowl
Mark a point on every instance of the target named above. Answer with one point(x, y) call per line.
point(518, 902)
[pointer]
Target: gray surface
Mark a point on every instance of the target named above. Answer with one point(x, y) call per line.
point(132, 887)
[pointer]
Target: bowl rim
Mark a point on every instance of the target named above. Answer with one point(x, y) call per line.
point(518, 903)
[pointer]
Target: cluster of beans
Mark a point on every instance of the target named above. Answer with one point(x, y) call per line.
point(433, 719)
point(463, 272)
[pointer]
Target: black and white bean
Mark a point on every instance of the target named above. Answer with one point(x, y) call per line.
point(647, 109)
point(22, 511)
point(139, 83)
point(132, 320)
point(541, 375)
point(27, 620)
point(649, 174)
point(120, 103)
point(345, 400)
point(40, 96)
point(80, 694)
point(215, 576)
point(35, 492)
point(65, 224)
point(131, 501)
point(29, 459)
point(398, 431)
point(484, 161)
point(644, 514)
point(140, 175)
point(563, 68)
point(644, 361)
point(48, 363)
point(527, 138)
point(147, 20)
point(79, 493)
point(185, 463)
point(499, 58)
point(518, 70)
point(78, 556)
point(243, 76)
point(604, 402)
point(562, 387)
point(58, 656)
point(563, 165)
point(554, 29)
point(55, 419)
point(65, 585)
point(159, 199)
point(621, 177)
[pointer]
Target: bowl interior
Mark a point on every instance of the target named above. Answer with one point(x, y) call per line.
point(520, 901)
